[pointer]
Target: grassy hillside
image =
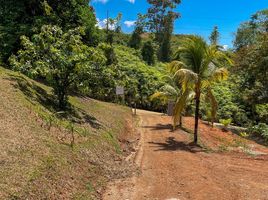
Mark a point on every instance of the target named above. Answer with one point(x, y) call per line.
point(57, 156)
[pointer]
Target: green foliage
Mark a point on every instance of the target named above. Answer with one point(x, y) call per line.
point(139, 79)
point(136, 40)
point(27, 17)
point(225, 122)
point(159, 14)
point(192, 67)
point(161, 17)
point(214, 37)
point(109, 53)
point(244, 134)
point(251, 71)
point(248, 31)
point(60, 57)
point(197, 67)
point(262, 112)
point(164, 52)
point(147, 53)
point(113, 27)
point(229, 106)
point(260, 130)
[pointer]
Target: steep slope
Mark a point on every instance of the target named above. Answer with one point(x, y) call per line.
point(49, 155)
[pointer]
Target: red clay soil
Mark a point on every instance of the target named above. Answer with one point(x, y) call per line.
point(173, 169)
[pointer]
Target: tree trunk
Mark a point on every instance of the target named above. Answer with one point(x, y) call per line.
point(180, 123)
point(197, 104)
point(62, 99)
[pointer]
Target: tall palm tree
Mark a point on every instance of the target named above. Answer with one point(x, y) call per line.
point(197, 66)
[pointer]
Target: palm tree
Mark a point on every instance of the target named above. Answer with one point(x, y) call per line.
point(170, 92)
point(197, 66)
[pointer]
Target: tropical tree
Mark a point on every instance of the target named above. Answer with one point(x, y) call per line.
point(60, 57)
point(197, 66)
point(248, 32)
point(161, 16)
point(26, 17)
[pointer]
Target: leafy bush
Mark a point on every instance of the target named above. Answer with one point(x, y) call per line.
point(260, 129)
point(226, 122)
point(139, 79)
point(228, 103)
point(109, 53)
point(148, 53)
point(262, 111)
point(244, 134)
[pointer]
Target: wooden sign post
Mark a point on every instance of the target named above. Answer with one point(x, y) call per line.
point(120, 92)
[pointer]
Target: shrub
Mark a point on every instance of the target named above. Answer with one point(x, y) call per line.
point(260, 129)
point(262, 111)
point(148, 53)
point(244, 134)
point(225, 122)
point(228, 105)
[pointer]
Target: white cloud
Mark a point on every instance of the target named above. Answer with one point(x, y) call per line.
point(101, 24)
point(131, 1)
point(103, 1)
point(225, 47)
point(129, 23)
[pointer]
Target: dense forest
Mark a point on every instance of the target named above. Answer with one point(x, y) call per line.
point(60, 44)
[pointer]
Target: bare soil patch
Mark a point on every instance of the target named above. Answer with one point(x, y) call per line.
point(172, 168)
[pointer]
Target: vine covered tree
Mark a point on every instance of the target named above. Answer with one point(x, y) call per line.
point(197, 66)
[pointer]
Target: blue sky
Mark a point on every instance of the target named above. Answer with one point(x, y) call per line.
point(197, 17)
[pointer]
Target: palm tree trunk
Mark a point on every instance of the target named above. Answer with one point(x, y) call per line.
point(197, 104)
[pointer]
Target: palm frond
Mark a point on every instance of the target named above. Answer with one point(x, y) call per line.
point(219, 75)
point(165, 93)
point(175, 66)
point(187, 78)
point(170, 90)
point(159, 95)
point(179, 106)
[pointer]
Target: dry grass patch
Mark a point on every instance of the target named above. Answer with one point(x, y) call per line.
point(45, 154)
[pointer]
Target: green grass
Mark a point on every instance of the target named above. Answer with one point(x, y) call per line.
point(39, 160)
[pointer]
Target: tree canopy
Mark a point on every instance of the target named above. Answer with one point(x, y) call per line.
point(60, 57)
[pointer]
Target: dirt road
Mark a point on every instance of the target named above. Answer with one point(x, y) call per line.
point(172, 169)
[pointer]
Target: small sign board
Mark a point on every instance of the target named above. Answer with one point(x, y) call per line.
point(119, 90)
